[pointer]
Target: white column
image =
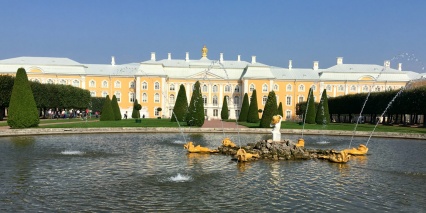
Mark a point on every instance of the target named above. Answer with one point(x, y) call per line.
point(245, 87)
point(83, 82)
point(138, 89)
point(164, 107)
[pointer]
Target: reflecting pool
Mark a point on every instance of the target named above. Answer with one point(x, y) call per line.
point(152, 172)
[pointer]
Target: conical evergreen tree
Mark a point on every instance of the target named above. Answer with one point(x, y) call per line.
point(22, 111)
point(136, 108)
point(269, 110)
point(244, 109)
point(310, 114)
point(253, 114)
point(107, 113)
point(323, 115)
point(115, 108)
point(280, 109)
point(181, 106)
point(224, 114)
point(195, 116)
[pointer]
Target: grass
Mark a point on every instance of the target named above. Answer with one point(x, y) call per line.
point(95, 123)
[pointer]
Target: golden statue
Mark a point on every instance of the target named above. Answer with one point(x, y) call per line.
point(228, 142)
point(337, 157)
point(300, 142)
point(243, 156)
point(276, 127)
point(198, 149)
point(204, 52)
point(361, 150)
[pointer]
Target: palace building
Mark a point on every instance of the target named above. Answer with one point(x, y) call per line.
point(155, 83)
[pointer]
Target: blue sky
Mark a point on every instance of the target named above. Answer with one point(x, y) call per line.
point(91, 31)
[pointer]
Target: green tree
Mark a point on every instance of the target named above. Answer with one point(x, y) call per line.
point(115, 108)
point(310, 114)
point(23, 111)
point(280, 109)
point(269, 110)
point(107, 113)
point(323, 115)
point(253, 114)
point(181, 106)
point(195, 116)
point(244, 109)
point(6, 86)
point(96, 103)
point(136, 108)
point(224, 114)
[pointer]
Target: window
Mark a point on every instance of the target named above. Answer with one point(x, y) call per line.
point(144, 98)
point(49, 81)
point(288, 88)
point(132, 97)
point(104, 84)
point(156, 98)
point(328, 88)
point(36, 80)
point(214, 100)
point(172, 99)
point(353, 88)
point(301, 88)
point(76, 83)
point(288, 101)
point(300, 99)
point(118, 96)
point(365, 88)
point(377, 89)
point(276, 88)
point(341, 88)
point(215, 112)
point(264, 88)
point(92, 83)
point(227, 88)
point(314, 88)
point(156, 86)
point(64, 82)
point(172, 87)
point(214, 88)
point(252, 87)
point(144, 85)
point(237, 88)
point(237, 100)
point(204, 88)
point(132, 84)
point(287, 114)
point(92, 93)
point(104, 94)
point(205, 100)
point(264, 99)
point(389, 88)
point(117, 84)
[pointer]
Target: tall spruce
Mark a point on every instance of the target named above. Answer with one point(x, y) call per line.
point(224, 114)
point(107, 113)
point(323, 115)
point(280, 109)
point(22, 111)
point(181, 106)
point(253, 114)
point(136, 108)
point(244, 109)
point(115, 108)
point(269, 110)
point(195, 116)
point(310, 114)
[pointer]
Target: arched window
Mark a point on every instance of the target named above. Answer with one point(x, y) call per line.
point(156, 86)
point(92, 93)
point(328, 88)
point(156, 112)
point(365, 88)
point(264, 99)
point(118, 96)
point(377, 89)
point(252, 87)
point(131, 97)
point(172, 87)
point(214, 88)
point(132, 84)
point(49, 81)
point(204, 88)
point(276, 87)
point(144, 85)
point(156, 98)
point(288, 88)
point(214, 100)
point(104, 94)
point(144, 98)
point(64, 82)
point(264, 88)
point(288, 101)
point(227, 88)
point(92, 83)
point(204, 100)
point(353, 88)
point(117, 84)
point(301, 88)
point(237, 88)
point(76, 83)
point(314, 88)
point(172, 99)
point(237, 100)
point(341, 88)
point(104, 84)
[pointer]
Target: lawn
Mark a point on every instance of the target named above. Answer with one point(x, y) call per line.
point(95, 123)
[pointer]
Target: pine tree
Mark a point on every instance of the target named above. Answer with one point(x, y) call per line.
point(280, 110)
point(136, 108)
point(323, 115)
point(224, 114)
point(269, 110)
point(310, 114)
point(107, 113)
point(181, 106)
point(115, 108)
point(22, 111)
point(253, 114)
point(195, 116)
point(244, 109)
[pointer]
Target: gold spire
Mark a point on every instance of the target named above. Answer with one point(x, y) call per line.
point(204, 52)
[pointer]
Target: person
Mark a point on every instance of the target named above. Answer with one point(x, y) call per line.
point(143, 116)
point(125, 115)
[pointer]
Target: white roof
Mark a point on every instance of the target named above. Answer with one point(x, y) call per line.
point(37, 61)
point(45, 64)
point(117, 70)
point(294, 74)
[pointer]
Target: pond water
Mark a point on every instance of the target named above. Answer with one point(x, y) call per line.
point(152, 173)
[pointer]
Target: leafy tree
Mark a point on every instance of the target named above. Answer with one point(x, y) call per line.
point(280, 109)
point(269, 110)
point(22, 108)
point(244, 109)
point(253, 115)
point(323, 115)
point(115, 108)
point(6, 85)
point(96, 103)
point(181, 106)
point(107, 113)
point(136, 108)
point(195, 116)
point(224, 114)
point(310, 114)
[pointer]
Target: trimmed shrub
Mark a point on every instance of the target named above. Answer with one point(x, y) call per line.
point(136, 108)
point(195, 116)
point(269, 111)
point(244, 109)
point(115, 108)
point(310, 114)
point(224, 114)
point(323, 115)
point(253, 114)
point(280, 109)
point(181, 106)
point(107, 113)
